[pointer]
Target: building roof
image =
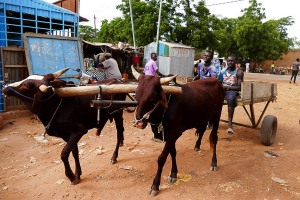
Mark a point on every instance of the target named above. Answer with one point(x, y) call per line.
point(111, 46)
point(39, 7)
point(170, 44)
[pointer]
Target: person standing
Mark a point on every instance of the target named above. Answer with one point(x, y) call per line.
point(295, 70)
point(206, 69)
point(273, 68)
point(110, 66)
point(151, 68)
point(217, 65)
point(247, 67)
point(231, 78)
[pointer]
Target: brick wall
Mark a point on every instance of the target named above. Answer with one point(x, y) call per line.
point(285, 60)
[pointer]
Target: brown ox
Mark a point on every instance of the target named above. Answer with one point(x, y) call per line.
point(199, 102)
point(68, 118)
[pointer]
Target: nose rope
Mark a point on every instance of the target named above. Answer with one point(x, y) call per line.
point(145, 116)
point(27, 97)
point(15, 91)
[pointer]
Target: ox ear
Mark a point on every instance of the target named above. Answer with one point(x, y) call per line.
point(60, 72)
point(163, 99)
point(135, 73)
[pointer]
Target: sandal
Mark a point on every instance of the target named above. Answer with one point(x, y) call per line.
point(230, 131)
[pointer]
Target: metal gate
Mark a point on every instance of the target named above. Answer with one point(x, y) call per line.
point(14, 68)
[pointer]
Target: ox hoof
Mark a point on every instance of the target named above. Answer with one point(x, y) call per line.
point(172, 179)
point(214, 169)
point(112, 162)
point(153, 193)
point(197, 149)
point(75, 182)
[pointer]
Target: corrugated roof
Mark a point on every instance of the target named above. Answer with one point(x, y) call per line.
point(42, 8)
point(110, 45)
point(170, 44)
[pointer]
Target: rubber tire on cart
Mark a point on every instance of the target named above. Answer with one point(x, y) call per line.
point(268, 130)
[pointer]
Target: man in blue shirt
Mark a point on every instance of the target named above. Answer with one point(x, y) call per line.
point(206, 69)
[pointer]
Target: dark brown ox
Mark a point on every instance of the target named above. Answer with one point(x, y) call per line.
point(199, 102)
point(68, 118)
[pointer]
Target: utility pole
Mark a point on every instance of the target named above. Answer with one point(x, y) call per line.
point(158, 27)
point(132, 26)
point(94, 25)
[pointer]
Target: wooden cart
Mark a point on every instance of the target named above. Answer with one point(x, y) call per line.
point(251, 93)
point(258, 92)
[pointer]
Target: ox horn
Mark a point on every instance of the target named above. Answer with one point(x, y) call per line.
point(135, 73)
point(162, 80)
point(167, 79)
point(172, 89)
point(60, 72)
point(44, 88)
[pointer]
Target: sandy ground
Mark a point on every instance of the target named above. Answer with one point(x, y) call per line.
point(31, 167)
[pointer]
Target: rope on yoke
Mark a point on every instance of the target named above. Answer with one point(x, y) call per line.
point(49, 123)
point(99, 99)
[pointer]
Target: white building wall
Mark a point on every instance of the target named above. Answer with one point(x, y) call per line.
point(180, 60)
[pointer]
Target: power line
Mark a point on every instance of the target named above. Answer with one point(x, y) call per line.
point(227, 2)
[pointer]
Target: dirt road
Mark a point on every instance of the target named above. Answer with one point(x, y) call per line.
point(31, 167)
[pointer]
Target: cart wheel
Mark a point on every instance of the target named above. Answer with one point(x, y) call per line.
point(130, 97)
point(268, 130)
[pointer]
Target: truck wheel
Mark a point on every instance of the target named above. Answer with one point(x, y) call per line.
point(268, 130)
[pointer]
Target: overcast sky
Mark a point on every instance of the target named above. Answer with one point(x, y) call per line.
point(274, 9)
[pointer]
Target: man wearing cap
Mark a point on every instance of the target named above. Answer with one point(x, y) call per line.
point(109, 65)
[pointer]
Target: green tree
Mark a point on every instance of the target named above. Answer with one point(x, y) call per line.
point(258, 40)
point(249, 36)
point(226, 38)
point(87, 33)
point(145, 15)
point(184, 23)
point(114, 31)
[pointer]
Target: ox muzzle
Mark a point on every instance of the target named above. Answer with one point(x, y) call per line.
point(142, 123)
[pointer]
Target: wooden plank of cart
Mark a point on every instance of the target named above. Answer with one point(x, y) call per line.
point(258, 92)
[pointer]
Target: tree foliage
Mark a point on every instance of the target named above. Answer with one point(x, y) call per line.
point(250, 36)
point(87, 33)
point(258, 40)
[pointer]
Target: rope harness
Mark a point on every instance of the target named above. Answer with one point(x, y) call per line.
point(33, 103)
point(145, 116)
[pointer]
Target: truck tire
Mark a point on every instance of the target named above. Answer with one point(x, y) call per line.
point(268, 130)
